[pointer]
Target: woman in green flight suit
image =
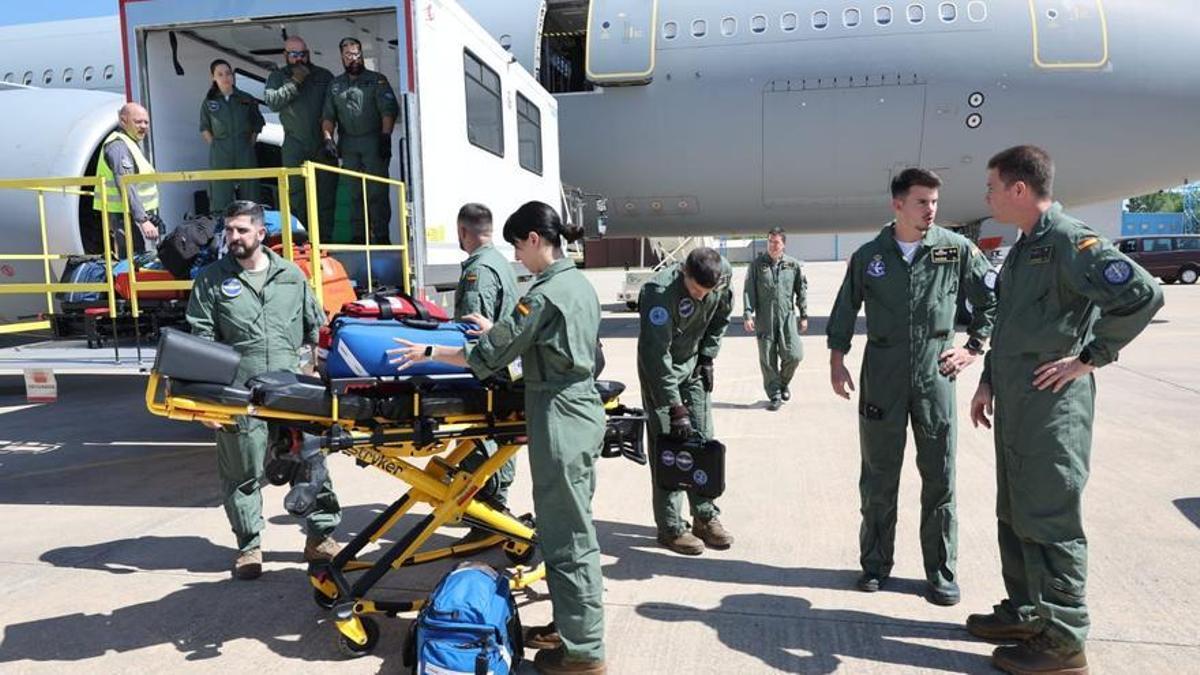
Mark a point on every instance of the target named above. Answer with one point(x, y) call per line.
point(554, 331)
point(230, 122)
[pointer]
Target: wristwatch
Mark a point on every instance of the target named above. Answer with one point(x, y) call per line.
point(428, 351)
point(974, 345)
point(1085, 356)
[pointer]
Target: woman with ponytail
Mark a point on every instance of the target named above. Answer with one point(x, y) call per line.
point(230, 122)
point(554, 331)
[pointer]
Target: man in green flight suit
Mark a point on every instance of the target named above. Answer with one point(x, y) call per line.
point(1069, 302)
point(297, 92)
point(775, 286)
point(487, 287)
point(363, 108)
point(910, 278)
point(261, 304)
point(684, 313)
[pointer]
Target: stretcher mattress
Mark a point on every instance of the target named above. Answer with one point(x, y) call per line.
point(359, 347)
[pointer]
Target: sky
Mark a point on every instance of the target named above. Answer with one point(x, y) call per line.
point(54, 10)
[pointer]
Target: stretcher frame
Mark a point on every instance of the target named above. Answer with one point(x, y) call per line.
point(452, 492)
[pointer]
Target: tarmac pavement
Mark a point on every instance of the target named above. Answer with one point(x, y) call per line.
point(116, 554)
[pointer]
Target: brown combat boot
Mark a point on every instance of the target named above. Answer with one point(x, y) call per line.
point(320, 549)
point(555, 661)
point(248, 565)
point(1040, 655)
point(684, 543)
point(713, 533)
point(543, 637)
point(996, 628)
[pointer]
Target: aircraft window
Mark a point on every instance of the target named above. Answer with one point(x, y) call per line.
point(789, 22)
point(948, 11)
point(820, 19)
point(28, 79)
point(883, 15)
point(670, 30)
point(916, 14)
point(851, 17)
point(48, 77)
point(485, 114)
point(68, 74)
point(88, 74)
point(977, 11)
point(728, 26)
point(108, 72)
point(758, 23)
point(699, 28)
point(529, 135)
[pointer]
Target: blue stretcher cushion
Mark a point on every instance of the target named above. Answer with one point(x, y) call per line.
point(359, 347)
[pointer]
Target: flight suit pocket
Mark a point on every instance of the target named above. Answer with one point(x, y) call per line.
point(870, 411)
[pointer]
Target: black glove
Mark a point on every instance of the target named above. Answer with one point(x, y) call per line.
point(385, 146)
point(330, 148)
point(681, 423)
point(704, 369)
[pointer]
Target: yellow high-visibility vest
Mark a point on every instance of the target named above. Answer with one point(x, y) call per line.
point(147, 192)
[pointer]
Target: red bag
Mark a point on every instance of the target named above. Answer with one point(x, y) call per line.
point(394, 305)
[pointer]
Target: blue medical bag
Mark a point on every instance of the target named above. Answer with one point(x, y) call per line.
point(359, 347)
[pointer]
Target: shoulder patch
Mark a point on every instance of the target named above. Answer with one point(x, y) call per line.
point(1118, 272)
point(471, 277)
point(1086, 243)
point(523, 307)
point(659, 315)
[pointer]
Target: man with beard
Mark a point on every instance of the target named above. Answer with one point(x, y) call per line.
point(910, 277)
point(363, 108)
point(297, 92)
point(260, 304)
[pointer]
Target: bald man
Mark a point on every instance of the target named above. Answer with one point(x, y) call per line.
point(297, 92)
point(122, 156)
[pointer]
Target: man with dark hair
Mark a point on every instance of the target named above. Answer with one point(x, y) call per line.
point(1069, 302)
point(910, 277)
point(775, 287)
point(362, 106)
point(261, 304)
point(684, 313)
point(488, 287)
point(297, 92)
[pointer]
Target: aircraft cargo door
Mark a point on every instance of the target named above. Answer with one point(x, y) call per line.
point(620, 41)
point(1069, 34)
point(837, 148)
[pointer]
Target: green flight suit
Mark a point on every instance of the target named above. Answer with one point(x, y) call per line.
point(910, 322)
point(675, 330)
point(300, 107)
point(267, 328)
point(357, 105)
point(1062, 289)
point(487, 286)
point(772, 292)
point(232, 123)
point(554, 330)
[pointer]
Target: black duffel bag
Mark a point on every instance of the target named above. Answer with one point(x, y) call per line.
point(179, 249)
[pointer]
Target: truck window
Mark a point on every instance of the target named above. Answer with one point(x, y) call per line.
point(1156, 245)
point(485, 116)
point(1128, 246)
point(1188, 244)
point(529, 135)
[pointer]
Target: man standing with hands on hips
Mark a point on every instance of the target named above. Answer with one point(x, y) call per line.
point(1069, 301)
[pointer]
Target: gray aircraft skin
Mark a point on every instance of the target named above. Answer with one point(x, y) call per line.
point(803, 126)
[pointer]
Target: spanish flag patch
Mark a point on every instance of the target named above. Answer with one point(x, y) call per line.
point(523, 308)
point(472, 277)
point(1085, 244)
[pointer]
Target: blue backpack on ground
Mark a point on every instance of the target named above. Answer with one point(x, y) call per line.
point(470, 626)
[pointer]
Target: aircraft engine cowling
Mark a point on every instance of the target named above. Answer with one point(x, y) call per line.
point(46, 133)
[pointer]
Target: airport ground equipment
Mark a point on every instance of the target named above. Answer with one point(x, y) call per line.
point(384, 423)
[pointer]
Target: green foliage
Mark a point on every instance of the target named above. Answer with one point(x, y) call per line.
point(1165, 201)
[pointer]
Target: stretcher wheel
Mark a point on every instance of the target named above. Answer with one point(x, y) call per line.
point(354, 650)
point(324, 601)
